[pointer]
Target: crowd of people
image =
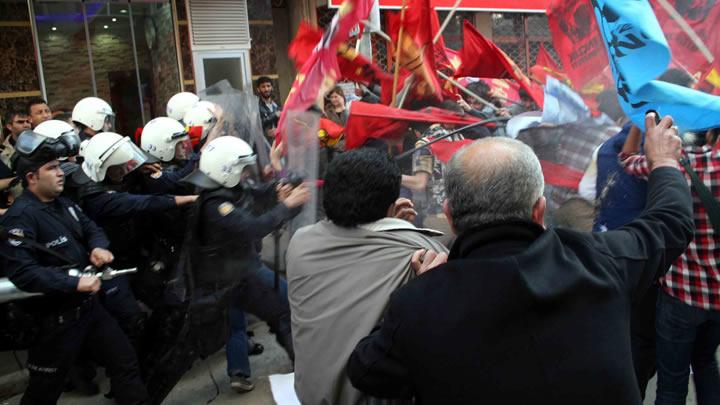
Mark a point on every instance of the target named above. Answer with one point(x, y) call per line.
point(425, 280)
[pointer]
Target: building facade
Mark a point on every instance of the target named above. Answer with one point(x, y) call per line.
point(136, 54)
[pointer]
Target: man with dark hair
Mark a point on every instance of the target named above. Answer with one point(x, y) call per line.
point(46, 235)
point(15, 121)
point(269, 109)
point(341, 271)
point(38, 111)
point(530, 314)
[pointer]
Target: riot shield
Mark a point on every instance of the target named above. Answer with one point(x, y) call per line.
point(302, 149)
point(237, 114)
point(565, 152)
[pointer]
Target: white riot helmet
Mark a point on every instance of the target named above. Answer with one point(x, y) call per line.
point(95, 114)
point(165, 139)
point(202, 114)
point(179, 104)
point(108, 149)
point(222, 163)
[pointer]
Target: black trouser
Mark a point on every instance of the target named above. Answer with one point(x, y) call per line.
point(642, 338)
point(96, 332)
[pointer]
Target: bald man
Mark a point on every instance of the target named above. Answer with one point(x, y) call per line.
point(521, 314)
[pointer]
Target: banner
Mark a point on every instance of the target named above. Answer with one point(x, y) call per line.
point(577, 40)
point(701, 17)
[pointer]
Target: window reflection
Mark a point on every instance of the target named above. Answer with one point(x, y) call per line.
point(67, 63)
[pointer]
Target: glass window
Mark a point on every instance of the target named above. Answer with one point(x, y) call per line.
point(157, 55)
point(63, 47)
point(126, 42)
point(114, 63)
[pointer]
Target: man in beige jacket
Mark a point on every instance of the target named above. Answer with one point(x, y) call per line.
point(341, 271)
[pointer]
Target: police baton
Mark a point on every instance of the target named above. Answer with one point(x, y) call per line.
point(449, 134)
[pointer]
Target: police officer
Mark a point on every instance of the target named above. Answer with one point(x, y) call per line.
point(107, 158)
point(93, 115)
point(166, 142)
point(179, 104)
point(224, 264)
point(45, 234)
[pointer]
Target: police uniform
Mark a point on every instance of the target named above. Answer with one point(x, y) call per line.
point(120, 214)
point(167, 181)
point(226, 270)
point(69, 321)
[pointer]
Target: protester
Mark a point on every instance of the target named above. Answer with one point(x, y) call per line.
point(531, 313)
point(38, 111)
point(335, 109)
point(428, 172)
point(16, 121)
point(341, 271)
point(688, 306)
point(269, 109)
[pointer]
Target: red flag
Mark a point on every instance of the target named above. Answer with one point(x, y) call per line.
point(544, 58)
point(478, 57)
point(494, 57)
point(418, 51)
point(320, 72)
point(329, 132)
point(380, 121)
point(305, 41)
point(444, 150)
point(546, 65)
point(577, 39)
point(702, 16)
point(355, 67)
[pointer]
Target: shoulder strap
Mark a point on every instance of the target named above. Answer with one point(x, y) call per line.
point(706, 197)
point(5, 235)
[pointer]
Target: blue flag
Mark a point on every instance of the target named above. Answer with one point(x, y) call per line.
point(639, 54)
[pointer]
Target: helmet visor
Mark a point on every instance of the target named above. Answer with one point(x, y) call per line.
point(71, 140)
point(183, 149)
point(109, 124)
point(28, 142)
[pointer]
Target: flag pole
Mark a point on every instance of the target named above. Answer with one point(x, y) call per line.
point(446, 22)
point(406, 89)
point(376, 30)
point(687, 29)
point(398, 54)
point(466, 91)
point(449, 134)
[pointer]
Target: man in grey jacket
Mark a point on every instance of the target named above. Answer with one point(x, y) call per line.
point(342, 271)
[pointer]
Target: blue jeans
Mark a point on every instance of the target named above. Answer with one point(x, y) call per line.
point(686, 336)
point(257, 296)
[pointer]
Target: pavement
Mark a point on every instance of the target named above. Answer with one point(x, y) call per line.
point(197, 385)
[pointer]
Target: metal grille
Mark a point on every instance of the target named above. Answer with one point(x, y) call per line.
point(520, 36)
point(219, 24)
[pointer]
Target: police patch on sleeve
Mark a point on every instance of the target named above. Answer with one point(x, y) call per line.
point(15, 236)
point(225, 208)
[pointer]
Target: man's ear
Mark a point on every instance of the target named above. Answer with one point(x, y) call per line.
point(391, 211)
point(448, 215)
point(538, 211)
